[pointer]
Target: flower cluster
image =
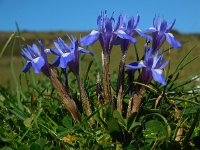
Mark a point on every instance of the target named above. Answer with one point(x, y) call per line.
point(109, 33)
point(67, 56)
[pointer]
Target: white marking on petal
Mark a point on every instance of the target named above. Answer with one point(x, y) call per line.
point(35, 60)
point(65, 54)
point(93, 32)
point(159, 71)
point(139, 30)
point(170, 34)
point(47, 51)
point(79, 48)
point(151, 28)
point(121, 32)
point(142, 63)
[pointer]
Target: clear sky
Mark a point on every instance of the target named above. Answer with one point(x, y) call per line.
point(79, 15)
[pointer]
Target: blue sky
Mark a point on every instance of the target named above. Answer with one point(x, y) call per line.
point(79, 15)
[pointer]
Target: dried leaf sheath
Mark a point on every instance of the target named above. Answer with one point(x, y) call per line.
point(85, 101)
point(120, 82)
point(69, 103)
point(106, 78)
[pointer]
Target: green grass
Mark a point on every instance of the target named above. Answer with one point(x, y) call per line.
point(32, 117)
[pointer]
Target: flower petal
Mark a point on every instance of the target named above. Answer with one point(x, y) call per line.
point(37, 64)
point(44, 55)
point(57, 46)
point(56, 52)
point(117, 41)
point(136, 21)
point(172, 41)
point(65, 59)
point(56, 62)
point(163, 26)
point(81, 50)
point(121, 22)
point(164, 65)
point(26, 67)
point(63, 46)
point(136, 65)
point(122, 34)
point(90, 39)
point(170, 26)
point(25, 53)
point(73, 45)
point(158, 76)
point(150, 30)
point(140, 32)
point(36, 50)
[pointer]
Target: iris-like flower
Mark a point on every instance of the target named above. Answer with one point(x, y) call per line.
point(130, 30)
point(68, 55)
point(152, 67)
point(33, 58)
point(161, 32)
point(107, 33)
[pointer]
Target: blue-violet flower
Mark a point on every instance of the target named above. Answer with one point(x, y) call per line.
point(33, 58)
point(161, 32)
point(131, 29)
point(68, 55)
point(152, 67)
point(107, 33)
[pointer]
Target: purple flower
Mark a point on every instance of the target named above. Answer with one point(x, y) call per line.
point(68, 55)
point(107, 33)
point(33, 58)
point(161, 32)
point(152, 67)
point(131, 29)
